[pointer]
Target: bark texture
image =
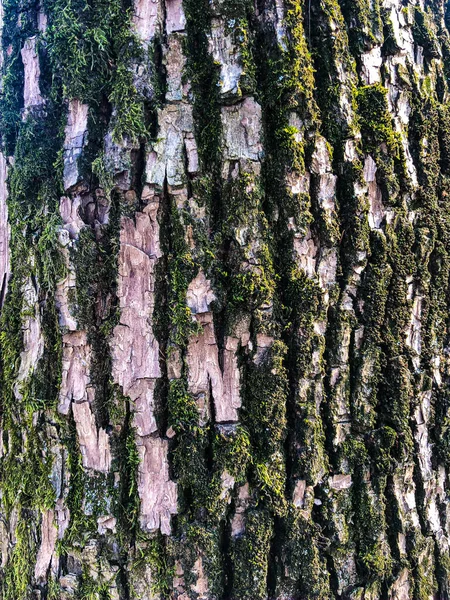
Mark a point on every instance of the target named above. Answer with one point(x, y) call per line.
point(224, 270)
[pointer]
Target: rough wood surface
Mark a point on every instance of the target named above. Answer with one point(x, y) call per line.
point(224, 303)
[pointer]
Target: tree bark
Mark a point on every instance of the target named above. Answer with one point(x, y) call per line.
point(224, 260)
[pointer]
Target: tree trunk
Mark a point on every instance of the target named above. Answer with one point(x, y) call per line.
point(225, 260)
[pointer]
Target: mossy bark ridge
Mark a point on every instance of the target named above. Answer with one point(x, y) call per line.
point(224, 270)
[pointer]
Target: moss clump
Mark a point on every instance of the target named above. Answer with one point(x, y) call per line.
point(265, 394)
point(127, 504)
point(79, 522)
point(441, 429)
point(374, 118)
point(250, 556)
point(26, 469)
point(364, 25)
point(153, 552)
point(26, 463)
point(244, 276)
point(189, 455)
point(15, 581)
point(302, 569)
point(204, 76)
point(199, 548)
point(264, 415)
point(232, 453)
point(11, 103)
point(102, 170)
point(92, 589)
point(201, 455)
point(330, 50)
point(92, 51)
point(182, 269)
point(422, 565)
point(295, 86)
point(424, 35)
point(373, 558)
point(19, 23)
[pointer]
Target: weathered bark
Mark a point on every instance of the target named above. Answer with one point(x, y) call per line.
point(224, 260)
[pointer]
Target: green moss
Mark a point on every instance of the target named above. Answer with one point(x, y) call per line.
point(250, 556)
point(19, 23)
point(26, 464)
point(309, 460)
point(302, 569)
point(153, 552)
point(265, 391)
point(200, 486)
point(330, 50)
point(92, 589)
point(92, 51)
point(203, 76)
point(364, 25)
point(26, 470)
point(11, 103)
point(245, 279)
point(232, 453)
point(182, 269)
point(375, 119)
point(95, 261)
point(189, 454)
point(182, 407)
point(424, 35)
point(79, 43)
point(375, 288)
point(205, 544)
point(129, 464)
point(423, 569)
point(129, 119)
point(296, 81)
point(286, 78)
point(15, 582)
point(442, 571)
point(264, 415)
point(373, 559)
point(441, 429)
point(103, 171)
point(83, 255)
point(53, 589)
point(81, 525)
